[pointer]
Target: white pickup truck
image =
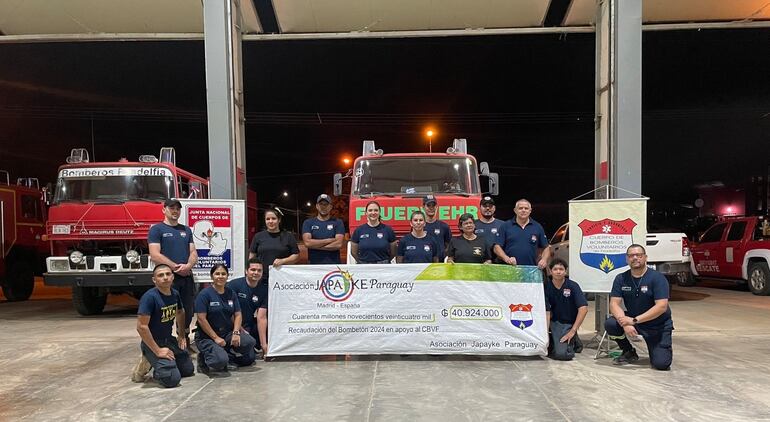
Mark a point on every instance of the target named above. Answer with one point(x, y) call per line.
point(668, 253)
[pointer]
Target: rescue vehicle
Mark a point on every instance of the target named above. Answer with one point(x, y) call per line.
point(737, 250)
point(22, 225)
point(399, 182)
point(98, 222)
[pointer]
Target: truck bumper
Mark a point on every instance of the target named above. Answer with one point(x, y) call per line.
point(99, 279)
point(671, 268)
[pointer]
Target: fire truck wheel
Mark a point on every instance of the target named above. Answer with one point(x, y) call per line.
point(759, 278)
point(20, 282)
point(684, 279)
point(87, 300)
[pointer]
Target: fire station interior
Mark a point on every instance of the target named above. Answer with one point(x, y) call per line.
point(129, 84)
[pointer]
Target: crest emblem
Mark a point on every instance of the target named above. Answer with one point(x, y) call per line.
point(603, 243)
point(521, 315)
point(567, 293)
point(329, 226)
point(437, 231)
point(644, 289)
point(379, 235)
point(427, 248)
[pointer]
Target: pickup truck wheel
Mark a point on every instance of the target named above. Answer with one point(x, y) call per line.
point(684, 279)
point(759, 278)
point(87, 300)
point(20, 282)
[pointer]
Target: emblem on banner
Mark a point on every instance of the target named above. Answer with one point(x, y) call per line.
point(521, 315)
point(337, 285)
point(604, 243)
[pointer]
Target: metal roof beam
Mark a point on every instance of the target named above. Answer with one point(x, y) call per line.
point(102, 37)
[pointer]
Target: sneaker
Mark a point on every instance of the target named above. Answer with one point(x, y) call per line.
point(628, 356)
point(141, 370)
point(578, 344)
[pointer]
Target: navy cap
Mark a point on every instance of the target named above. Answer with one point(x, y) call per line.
point(323, 197)
point(428, 199)
point(171, 202)
point(487, 200)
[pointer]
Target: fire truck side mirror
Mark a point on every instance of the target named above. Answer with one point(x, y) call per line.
point(484, 168)
point(494, 180)
point(337, 184)
point(47, 194)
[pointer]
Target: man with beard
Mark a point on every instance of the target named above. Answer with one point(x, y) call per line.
point(644, 292)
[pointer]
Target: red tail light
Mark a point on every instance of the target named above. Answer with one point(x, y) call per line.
point(685, 247)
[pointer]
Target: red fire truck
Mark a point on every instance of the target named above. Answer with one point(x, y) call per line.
point(22, 217)
point(400, 181)
point(98, 222)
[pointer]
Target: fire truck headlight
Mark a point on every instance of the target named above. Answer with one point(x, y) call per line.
point(76, 257)
point(132, 256)
point(59, 265)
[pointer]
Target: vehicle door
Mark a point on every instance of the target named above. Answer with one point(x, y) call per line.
point(709, 255)
point(560, 243)
point(734, 249)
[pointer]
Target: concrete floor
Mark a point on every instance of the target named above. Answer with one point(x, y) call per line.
point(56, 365)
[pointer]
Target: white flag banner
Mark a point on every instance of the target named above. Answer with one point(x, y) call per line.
point(406, 309)
point(600, 231)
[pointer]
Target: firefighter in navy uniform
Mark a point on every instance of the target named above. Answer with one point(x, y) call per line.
point(252, 295)
point(323, 235)
point(567, 308)
point(167, 355)
point(435, 227)
point(645, 294)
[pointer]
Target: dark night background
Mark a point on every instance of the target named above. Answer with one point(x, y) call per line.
point(525, 104)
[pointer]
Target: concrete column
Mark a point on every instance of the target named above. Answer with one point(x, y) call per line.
point(618, 129)
point(224, 98)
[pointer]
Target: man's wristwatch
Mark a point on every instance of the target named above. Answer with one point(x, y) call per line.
point(635, 321)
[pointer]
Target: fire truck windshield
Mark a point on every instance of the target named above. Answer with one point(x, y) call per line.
point(415, 175)
point(113, 189)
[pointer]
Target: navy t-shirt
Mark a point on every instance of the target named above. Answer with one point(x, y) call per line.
point(522, 243)
point(174, 241)
point(443, 234)
point(162, 311)
point(418, 250)
point(219, 309)
point(489, 231)
point(640, 294)
point(270, 246)
point(564, 302)
point(250, 299)
point(373, 242)
point(319, 229)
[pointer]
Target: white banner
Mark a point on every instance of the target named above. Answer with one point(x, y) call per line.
point(600, 231)
point(219, 234)
point(406, 309)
